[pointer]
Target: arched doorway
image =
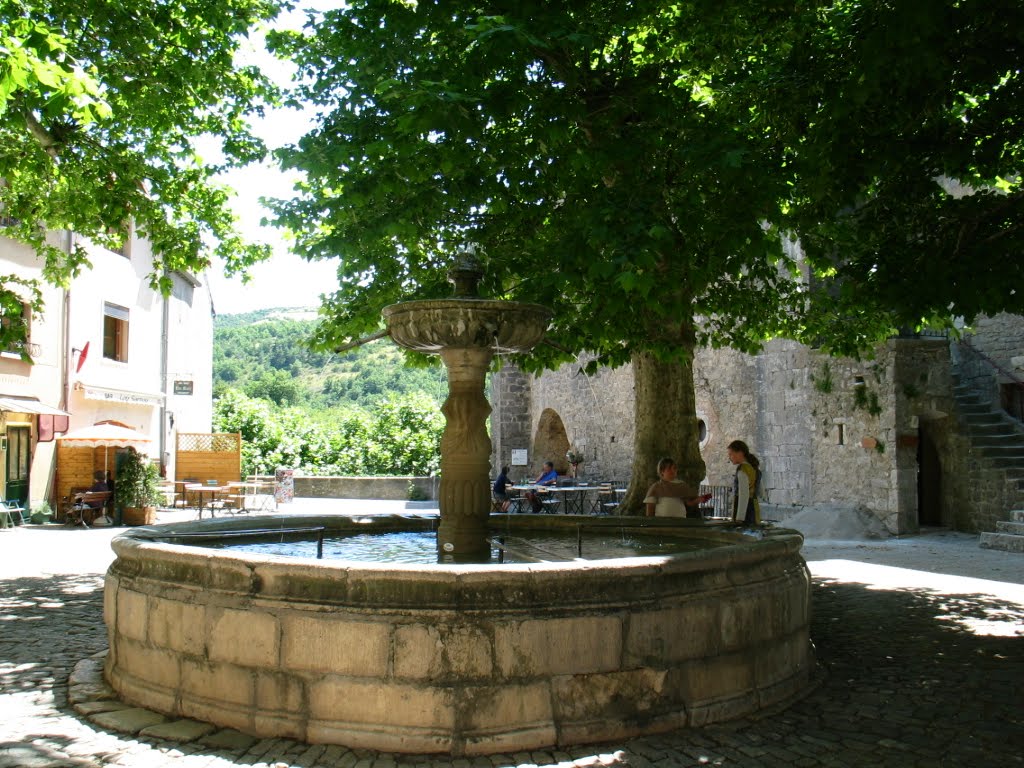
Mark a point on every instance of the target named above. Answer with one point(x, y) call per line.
point(550, 442)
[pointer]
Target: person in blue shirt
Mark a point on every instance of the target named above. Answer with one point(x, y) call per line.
point(547, 477)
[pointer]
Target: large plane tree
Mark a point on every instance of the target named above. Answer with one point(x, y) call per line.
point(580, 146)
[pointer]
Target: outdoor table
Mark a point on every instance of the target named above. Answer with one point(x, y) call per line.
point(542, 490)
point(201, 490)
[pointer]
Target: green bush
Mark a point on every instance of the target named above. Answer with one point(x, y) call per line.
point(400, 435)
point(138, 482)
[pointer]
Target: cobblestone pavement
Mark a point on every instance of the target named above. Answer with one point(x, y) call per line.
point(921, 663)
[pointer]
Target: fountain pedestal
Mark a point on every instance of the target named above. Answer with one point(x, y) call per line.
point(465, 459)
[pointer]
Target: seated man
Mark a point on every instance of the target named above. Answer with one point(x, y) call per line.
point(670, 497)
point(547, 477)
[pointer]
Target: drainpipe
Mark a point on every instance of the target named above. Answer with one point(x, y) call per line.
point(65, 374)
point(66, 338)
point(165, 323)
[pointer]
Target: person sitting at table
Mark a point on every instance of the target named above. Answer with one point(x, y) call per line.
point(547, 477)
point(500, 490)
point(670, 497)
point(80, 504)
point(99, 485)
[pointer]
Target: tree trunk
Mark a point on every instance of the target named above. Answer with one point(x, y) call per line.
point(665, 415)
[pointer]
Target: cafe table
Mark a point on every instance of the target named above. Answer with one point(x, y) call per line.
point(201, 491)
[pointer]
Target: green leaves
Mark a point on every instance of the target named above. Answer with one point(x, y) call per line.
point(101, 105)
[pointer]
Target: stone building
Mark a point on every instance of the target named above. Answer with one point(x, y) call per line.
point(918, 434)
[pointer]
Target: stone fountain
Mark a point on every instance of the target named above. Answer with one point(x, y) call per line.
point(459, 656)
point(466, 331)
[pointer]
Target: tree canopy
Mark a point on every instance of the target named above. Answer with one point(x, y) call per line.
point(101, 106)
point(579, 144)
point(908, 150)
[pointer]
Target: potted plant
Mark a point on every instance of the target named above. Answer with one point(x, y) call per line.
point(575, 458)
point(137, 489)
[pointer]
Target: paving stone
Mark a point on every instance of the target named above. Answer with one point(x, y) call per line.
point(130, 720)
point(95, 692)
point(178, 730)
point(104, 705)
point(87, 672)
point(230, 739)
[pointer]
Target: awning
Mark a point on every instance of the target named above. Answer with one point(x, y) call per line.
point(126, 396)
point(29, 405)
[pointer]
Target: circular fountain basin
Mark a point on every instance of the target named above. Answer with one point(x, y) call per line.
point(458, 659)
point(432, 325)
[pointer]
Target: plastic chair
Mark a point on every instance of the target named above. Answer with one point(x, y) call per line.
point(17, 514)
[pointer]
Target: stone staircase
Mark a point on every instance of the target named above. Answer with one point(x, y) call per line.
point(1008, 536)
point(997, 447)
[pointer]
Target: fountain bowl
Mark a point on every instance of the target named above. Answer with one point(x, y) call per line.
point(458, 659)
point(432, 325)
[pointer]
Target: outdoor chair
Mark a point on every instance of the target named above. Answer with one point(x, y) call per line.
point(86, 506)
point(605, 501)
point(549, 501)
point(15, 513)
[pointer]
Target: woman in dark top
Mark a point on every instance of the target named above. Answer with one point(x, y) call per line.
point(500, 489)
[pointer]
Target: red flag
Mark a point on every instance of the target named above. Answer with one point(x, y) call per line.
point(81, 357)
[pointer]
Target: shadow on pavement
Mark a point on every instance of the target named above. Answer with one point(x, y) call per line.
point(909, 677)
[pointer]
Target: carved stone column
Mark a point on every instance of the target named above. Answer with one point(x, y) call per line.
point(465, 494)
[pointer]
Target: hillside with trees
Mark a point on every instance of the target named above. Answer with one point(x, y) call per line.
point(364, 411)
point(266, 355)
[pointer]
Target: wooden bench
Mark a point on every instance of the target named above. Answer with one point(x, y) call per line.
point(86, 506)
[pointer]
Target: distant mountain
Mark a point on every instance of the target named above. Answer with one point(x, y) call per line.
point(260, 315)
point(266, 354)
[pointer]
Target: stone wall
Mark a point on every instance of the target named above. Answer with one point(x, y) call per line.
point(511, 397)
point(596, 413)
point(395, 488)
point(819, 426)
point(830, 432)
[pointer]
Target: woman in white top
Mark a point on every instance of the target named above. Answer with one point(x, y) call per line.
point(745, 484)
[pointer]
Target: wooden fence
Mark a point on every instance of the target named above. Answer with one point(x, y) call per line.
point(205, 456)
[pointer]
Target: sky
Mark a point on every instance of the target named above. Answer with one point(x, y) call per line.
point(284, 280)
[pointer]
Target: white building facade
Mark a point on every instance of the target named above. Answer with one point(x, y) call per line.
point(110, 348)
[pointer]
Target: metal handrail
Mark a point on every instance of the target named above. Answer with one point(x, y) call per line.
point(319, 530)
point(721, 499)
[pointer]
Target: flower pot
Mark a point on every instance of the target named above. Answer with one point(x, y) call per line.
point(139, 516)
